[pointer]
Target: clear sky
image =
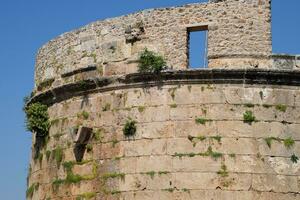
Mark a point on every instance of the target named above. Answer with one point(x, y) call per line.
point(25, 25)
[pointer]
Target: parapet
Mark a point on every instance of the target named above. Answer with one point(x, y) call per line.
point(239, 36)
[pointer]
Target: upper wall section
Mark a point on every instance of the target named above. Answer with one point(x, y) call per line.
point(239, 34)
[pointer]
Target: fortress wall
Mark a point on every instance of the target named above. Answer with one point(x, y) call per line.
point(239, 36)
point(192, 140)
point(168, 157)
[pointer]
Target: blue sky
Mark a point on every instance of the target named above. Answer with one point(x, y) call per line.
point(25, 25)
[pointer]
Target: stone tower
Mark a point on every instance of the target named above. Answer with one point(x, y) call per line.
point(227, 132)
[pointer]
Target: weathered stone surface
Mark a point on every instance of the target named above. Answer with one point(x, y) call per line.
point(193, 137)
point(233, 42)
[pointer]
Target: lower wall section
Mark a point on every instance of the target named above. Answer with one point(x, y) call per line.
point(192, 142)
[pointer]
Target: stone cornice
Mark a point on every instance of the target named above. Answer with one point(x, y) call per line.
point(204, 76)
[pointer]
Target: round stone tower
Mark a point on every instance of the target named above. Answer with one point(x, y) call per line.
point(230, 131)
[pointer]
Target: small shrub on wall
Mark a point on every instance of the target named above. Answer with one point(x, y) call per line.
point(151, 62)
point(129, 128)
point(37, 119)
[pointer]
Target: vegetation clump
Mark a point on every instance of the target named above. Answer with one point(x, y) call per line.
point(58, 155)
point(89, 148)
point(84, 114)
point(151, 62)
point(195, 139)
point(223, 172)
point(172, 92)
point(141, 109)
point(37, 119)
point(98, 135)
point(289, 142)
point(114, 175)
point(129, 128)
point(74, 178)
point(294, 158)
point(270, 139)
point(173, 105)
point(31, 189)
point(249, 117)
point(217, 138)
point(151, 174)
point(209, 152)
point(281, 107)
point(201, 120)
point(232, 155)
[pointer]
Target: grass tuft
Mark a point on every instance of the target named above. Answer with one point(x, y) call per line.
point(289, 142)
point(281, 107)
point(249, 117)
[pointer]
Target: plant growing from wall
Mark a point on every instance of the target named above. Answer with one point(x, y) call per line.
point(294, 158)
point(202, 121)
point(151, 174)
point(217, 138)
point(173, 105)
point(270, 139)
point(172, 92)
point(113, 175)
point(84, 115)
point(37, 122)
point(58, 155)
point(281, 107)
point(98, 135)
point(223, 171)
point(151, 62)
point(72, 178)
point(249, 117)
point(48, 154)
point(31, 189)
point(232, 155)
point(89, 148)
point(209, 152)
point(141, 109)
point(289, 142)
point(129, 128)
point(37, 119)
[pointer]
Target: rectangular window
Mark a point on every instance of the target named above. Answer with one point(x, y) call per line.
point(197, 46)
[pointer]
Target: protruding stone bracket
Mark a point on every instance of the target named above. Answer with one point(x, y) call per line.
point(83, 135)
point(78, 71)
point(81, 139)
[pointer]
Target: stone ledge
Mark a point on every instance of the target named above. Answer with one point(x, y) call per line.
point(77, 71)
point(204, 76)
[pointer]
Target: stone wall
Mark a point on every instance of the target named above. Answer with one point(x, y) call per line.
point(191, 142)
point(224, 133)
point(239, 36)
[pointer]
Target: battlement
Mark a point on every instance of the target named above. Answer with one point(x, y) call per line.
point(239, 36)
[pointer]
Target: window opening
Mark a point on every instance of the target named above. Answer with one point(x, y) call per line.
point(197, 47)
